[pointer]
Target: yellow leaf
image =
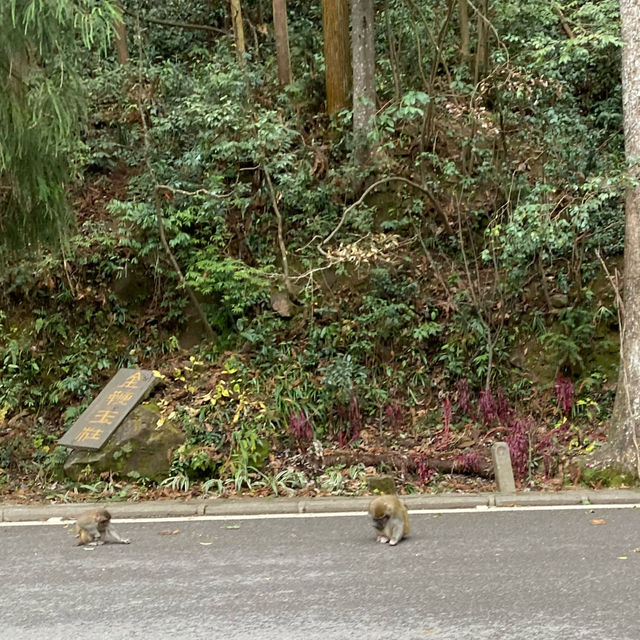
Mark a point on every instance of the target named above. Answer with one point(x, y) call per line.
point(206, 544)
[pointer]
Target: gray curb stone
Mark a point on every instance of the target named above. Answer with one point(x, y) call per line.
point(586, 497)
point(258, 506)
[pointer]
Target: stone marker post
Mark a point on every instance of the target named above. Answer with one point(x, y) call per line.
point(502, 468)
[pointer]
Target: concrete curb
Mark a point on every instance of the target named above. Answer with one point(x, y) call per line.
point(259, 506)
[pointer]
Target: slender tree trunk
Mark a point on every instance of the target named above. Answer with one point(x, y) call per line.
point(121, 40)
point(622, 450)
point(463, 19)
point(482, 50)
point(337, 53)
point(364, 75)
point(394, 53)
point(238, 31)
point(281, 32)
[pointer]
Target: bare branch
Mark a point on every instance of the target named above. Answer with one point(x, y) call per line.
point(425, 190)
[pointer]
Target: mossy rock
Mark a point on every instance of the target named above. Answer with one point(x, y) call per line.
point(610, 478)
point(138, 447)
point(381, 484)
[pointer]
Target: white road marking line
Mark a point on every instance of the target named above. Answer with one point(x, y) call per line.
point(481, 509)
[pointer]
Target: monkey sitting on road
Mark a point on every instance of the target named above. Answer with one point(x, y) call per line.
point(390, 518)
point(95, 528)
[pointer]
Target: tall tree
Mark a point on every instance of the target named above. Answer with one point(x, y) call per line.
point(337, 53)
point(238, 30)
point(281, 32)
point(41, 111)
point(121, 38)
point(463, 20)
point(364, 75)
point(482, 49)
point(622, 449)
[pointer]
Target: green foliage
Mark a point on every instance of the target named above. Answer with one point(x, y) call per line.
point(526, 165)
point(248, 453)
point(41, 108)
point(192, 462)
point(286, 481)
point(234, 286)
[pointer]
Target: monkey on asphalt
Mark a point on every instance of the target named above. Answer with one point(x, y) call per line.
point(95, 528)
point(390, 518)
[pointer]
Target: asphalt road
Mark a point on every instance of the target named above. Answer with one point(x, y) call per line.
point(517, 575)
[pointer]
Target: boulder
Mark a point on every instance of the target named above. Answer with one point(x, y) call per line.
point(138, 446)
point(281, 304)
point(381, 484)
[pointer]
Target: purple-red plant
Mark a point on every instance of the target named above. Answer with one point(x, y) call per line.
point(504, 410)
point(470, 462)
point(518, 441)
point(349, 422)
point(300, 427)
point(464, 397)
point(425, 472)
point(564, 394)
point(548, 446)
point(447, 415)
point(394, 416)
point(487, 407)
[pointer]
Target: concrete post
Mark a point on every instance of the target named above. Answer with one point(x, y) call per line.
point(502, 468)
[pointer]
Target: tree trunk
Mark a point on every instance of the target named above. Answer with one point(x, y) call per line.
point(622, 451)
point(482, 50)
point(121, 39)
point(364, 76)
point(394, 54)
point(238, 31)
point(483, 467)
point(337, 53)
point(463, 18)
point(281, 33)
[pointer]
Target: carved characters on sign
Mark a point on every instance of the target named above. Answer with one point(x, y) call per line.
point(92, 429)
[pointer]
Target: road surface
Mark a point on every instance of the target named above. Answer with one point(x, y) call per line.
point(558, 574)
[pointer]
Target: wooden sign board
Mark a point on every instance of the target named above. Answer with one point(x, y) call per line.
point(93, 428)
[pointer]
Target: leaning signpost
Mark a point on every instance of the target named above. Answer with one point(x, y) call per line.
point(93, 428)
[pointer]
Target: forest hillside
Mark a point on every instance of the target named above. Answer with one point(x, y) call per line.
point(323, 297)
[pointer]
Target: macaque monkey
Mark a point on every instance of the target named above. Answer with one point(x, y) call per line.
point(95, 528)
point(390, 518)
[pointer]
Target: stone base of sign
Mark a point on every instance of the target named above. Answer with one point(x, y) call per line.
point(137, 446)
